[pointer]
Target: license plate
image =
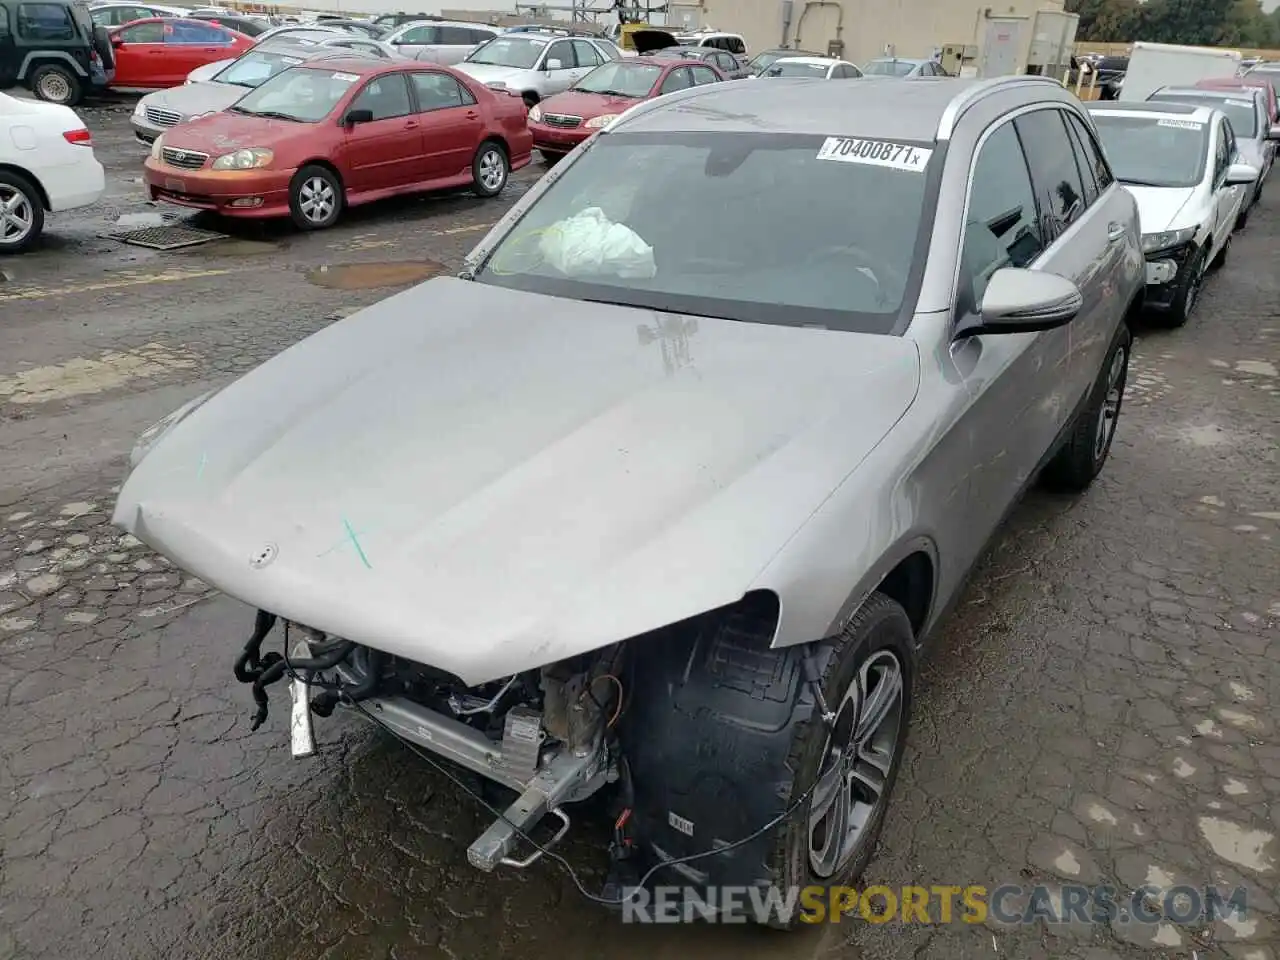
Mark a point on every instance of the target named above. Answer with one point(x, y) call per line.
point(175, 186)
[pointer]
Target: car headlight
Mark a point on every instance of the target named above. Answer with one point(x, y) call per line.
point(155, 147)
point(151, 436)
point(249, 158)
point(535, 113)
point(595, 123)
point(1166, 239)
point(140, 110)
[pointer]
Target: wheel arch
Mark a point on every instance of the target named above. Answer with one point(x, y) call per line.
point(499, 139)
point(36, 59)
point(327, 164)
point(32, 179)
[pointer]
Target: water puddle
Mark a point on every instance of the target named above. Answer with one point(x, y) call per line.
point(366, 276)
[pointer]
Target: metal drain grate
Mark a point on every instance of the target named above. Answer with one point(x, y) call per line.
point(169, 237)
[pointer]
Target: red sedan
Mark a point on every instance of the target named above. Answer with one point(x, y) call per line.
point(159, 52)
point(1246, 83)
point(561, 122)
point(334, 133)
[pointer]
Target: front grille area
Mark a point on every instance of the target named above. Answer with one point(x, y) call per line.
point(561, 120)
point(183, 159)
point(162, 118)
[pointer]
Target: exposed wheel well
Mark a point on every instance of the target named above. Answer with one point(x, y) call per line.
point(910, 585)
point(495, 138)
point(325, 164)
point(30, 177)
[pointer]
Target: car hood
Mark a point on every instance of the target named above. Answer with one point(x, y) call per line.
point(489, 481)
point(489, 73)
point(1163, 208)
point(196, 98)
point(586, 105)
point(225, 132)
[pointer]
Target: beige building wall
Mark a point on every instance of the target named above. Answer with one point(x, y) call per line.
point(914, 28)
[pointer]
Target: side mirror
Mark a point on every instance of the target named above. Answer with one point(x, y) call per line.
point(1242, 173)
point(1274, 132)
point(117, 42)
point(554, 64)
point(357, 116)
point(1026, 301)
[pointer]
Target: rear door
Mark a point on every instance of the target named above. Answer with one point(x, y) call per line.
point(565, 75)
point(451, 122)
point(388, 151)
point(417, 39)
point(703, 74)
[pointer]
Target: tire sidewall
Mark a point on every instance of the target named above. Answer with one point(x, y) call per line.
point(73, 84)
point(486, 148)
point(1182, 310)
point(880, 624)
point(303, 175)
point(28, 190)
point(1125, 345)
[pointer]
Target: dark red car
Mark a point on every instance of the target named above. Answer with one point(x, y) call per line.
point(1246, 82)
point(561, 122)
point(159, 52)
point(333, 133)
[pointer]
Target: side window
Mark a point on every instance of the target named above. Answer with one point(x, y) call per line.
point(1092, 154)
point(737, 47)
point(1082, 162)
point(386, 96)
point(1002, 227)
point(726, 62)
point(561, 50)
point(196, 33)
point(586, 54)
point(610, 49)
point(44, 21)
point(703, 75)
point(1232, 150)
point(143, 33)
point(419, 36)
point(1222, 155)
point(677, 79)
point(4, 23)
point(839, 73)
point(1053, 166)
point(479, 36)
point(438, 91)
point(455, 37)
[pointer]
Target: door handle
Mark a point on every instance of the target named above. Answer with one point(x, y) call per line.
point(1115, 232)
point(409, 125)
point(472, 115)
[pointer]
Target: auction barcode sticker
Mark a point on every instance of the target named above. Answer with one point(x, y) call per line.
point(877, 153)
point(1239, 103)
point(346, 77)
point(1182, 124)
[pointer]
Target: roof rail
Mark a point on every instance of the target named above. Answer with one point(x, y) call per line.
point(971, 95)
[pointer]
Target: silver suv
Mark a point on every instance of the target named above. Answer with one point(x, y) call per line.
point(757, 392)
point(536, 65)
point(439, 41)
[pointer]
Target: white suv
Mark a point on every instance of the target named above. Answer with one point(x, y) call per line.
point(439, 41)
point(732, 42)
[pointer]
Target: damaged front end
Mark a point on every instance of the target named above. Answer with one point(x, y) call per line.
point(548, 734)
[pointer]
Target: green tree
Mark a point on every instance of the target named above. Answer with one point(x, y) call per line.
point(1106, 21)
point(1198, 22)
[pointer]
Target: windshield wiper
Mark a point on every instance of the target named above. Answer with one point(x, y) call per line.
point(1142, 183)
point(274, 115)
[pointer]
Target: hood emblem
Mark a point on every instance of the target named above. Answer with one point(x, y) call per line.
point(263, 556)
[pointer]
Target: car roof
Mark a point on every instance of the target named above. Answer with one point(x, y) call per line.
point(818, 61)
point(366, 66)
point(1186, 111)
point(920, 109)
point(304, 52)
point(436, 22)
point(1208, 93)
point(915, 60)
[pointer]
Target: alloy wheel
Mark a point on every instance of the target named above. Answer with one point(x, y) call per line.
point(493, 169)
point(17, 216)
point(316, 199)
point(1109, 413)
point(856, 762)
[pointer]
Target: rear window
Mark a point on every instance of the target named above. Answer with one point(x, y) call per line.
point(1239, 109)
point(1154, 152)
point(785, 229)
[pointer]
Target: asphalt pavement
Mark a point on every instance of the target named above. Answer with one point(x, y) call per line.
point(1100, 708)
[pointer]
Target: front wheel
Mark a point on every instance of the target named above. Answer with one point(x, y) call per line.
point(1188, 292)
point(489, 170)
point(56, 84)
point(1085, 451)
point(315, 198)
point(848, 767)
point(21, 213)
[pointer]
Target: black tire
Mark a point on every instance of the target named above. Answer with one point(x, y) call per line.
point(879, 632)
point(1220, 260)
point(102, 44)
point(315, 198)
point(490, 170)
point(15, 185)
point(55, 84)
point(1188, 294)
point(551, 157)
point(1242, 220)
point(1085, 452)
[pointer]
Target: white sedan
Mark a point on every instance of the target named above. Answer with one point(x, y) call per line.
point(816, 68)
point(46, 165)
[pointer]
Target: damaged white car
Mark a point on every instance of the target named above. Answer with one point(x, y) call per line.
point(663, 494)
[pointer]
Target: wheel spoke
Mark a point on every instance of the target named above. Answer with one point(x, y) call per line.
point(880, 701)
point(829, 831)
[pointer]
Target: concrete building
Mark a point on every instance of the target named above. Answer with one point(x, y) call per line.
point(867, 28)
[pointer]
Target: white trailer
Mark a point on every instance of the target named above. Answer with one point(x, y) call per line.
point(1156, 65)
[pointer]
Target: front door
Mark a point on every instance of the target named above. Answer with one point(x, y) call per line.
point(452, 124)
point(189, 45)
point(565, 73)
point(1226, 198)
point(387, 151)
point(140, 55)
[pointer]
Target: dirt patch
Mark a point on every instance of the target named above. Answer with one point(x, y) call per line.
point(365, 276)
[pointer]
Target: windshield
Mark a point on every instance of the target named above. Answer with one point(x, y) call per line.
point(303, 94)
point(253, 69)
point(621, 79)
point(784, 68)
point(1270, 75)
point(1154, 152)
point(772, 228)
point(1239, 109)
point(765, 61)
point(889, 68)
point(510, 51)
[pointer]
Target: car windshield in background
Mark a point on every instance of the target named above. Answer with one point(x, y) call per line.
point(510, 51)
point(765, 61)
point(1153, 151)
point(888, 68)
point(1271, 75)
point(1239, 110)
point(742, 226)
point(254, 69)
point(306, 95)
point(621, 79)
point(785, 69)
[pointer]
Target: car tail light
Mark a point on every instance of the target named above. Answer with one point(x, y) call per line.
point(81, 137)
